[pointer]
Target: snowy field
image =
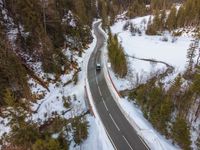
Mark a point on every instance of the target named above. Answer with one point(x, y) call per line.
point(172, 51)
point(148, 47)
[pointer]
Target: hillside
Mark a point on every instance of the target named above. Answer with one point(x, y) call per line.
point(162, 79)
point(153, 49)
point(42, 45)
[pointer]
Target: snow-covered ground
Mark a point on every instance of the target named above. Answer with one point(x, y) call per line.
point(97, 139)
point(153, 138)
point(152, 47)
point(148, 47)
point(52, 103)
point(173, 53)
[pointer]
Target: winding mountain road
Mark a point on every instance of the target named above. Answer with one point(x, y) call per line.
point(121, 133)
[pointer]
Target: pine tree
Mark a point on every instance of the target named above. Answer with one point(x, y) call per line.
point(160, 4)
point(150, 28)
point(181, 17)
point(102, 5)
point(175, 87)
point(136, 8)
point(23, 134)
point(181, 133)
point(191, 54)
point(196, 84)
point(171, 20)
point(39, 145)
point(80, 130)
point(189, 14)
point(81, 11)
point(165, 113)
point(47, 144)
point(117, 56)
point(198, 143)
point(163, 19)
point(9, 98)
point(157, 21)
point(12, 74)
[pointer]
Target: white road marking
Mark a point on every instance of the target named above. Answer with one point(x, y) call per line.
point(99, 91)
point(127, 143)
point(111, 140)
point(105, 104)
point(144, 143)
point(114, 122)
point(97, 81)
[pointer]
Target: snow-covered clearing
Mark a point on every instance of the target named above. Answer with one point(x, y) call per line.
point(153, 47)
point(173, 52)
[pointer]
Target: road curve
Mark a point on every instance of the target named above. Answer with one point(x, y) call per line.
point(121, 133)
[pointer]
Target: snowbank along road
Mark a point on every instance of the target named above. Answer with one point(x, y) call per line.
point(121, 133)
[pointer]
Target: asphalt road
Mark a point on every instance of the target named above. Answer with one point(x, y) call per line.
point(122, 134)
